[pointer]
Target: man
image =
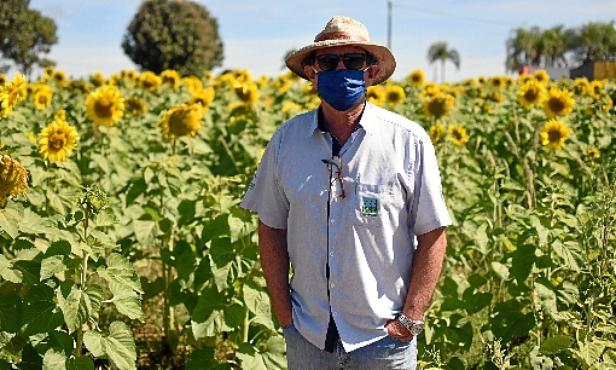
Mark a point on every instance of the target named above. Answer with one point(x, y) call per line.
point(349, 195)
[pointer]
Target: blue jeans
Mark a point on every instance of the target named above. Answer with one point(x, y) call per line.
point(387, 353)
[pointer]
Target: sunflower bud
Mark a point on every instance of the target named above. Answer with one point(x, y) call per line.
point(94, 199)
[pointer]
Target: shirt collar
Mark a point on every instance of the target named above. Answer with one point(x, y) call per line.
point(366, 122)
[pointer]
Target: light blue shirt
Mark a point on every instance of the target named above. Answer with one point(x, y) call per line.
point(392, 191)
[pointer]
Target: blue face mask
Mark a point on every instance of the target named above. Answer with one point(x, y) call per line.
point(341, 89)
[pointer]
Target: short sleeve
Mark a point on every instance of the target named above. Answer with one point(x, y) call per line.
point(428, 209)
point(265, 196)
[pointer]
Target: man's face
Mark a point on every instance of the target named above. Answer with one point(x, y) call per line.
point(311, 70)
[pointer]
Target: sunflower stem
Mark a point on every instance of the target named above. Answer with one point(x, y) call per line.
point(82, 280)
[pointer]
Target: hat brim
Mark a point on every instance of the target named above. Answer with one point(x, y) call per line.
point(384, 57)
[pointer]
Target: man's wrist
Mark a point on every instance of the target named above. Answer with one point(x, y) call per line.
point(414, 327)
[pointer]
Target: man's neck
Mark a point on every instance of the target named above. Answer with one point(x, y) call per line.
point(341, 124)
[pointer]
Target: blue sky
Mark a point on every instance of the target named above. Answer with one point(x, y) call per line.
point(256, 34)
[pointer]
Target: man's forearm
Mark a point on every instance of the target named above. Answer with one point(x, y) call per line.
point(275, 264)
point(427, 265)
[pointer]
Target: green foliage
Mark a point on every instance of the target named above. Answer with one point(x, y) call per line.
point(548, 48)
point(134, 233)
point(25, 35)
point(172, 34)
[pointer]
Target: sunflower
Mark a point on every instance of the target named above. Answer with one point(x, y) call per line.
point(193, 84)
point(541, 76)
point(97, 78)
point(130, 74)
point(496, 82)
point(171, 77)
point(242, 75)
point(438, 105)
point(436, 133)
point(203, 97)
point(416, 78)
point(3, 79)
point(558, 103)
point(47, 72)
point(182, 120)
point(508, 81)
point(13, 179)
point(376, 95)
point(525, 78)
point(57, 140)
point(246, 91)
point(394, 95)
point(581, 86)
point(593, 154)
point(105, 105)
point(554, 133)
point(12, 93)
point(495, 96)
point(136, 106)
point(226, 79)
point(530, 94)
point(457, 134)
point(81, 85)
point(595, 89)
point(430, 89)
point(149, 81)
point(290, 108)
point(60, 77)
point(42, 96)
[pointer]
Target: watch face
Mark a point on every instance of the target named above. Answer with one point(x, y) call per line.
point(416, 329)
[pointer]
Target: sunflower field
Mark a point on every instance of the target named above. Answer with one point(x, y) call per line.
point(123, 245)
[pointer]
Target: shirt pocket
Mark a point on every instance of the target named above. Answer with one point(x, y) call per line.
point(372, 204)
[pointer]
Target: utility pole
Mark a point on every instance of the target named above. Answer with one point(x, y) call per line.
point(389, 24)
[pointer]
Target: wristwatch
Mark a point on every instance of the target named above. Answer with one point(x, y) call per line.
point(415, 327)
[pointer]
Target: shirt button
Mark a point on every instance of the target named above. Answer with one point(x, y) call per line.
point(332, 221)
point(332, 285)
point(331, 254)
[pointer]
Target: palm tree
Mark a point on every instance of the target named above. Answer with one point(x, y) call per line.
point(523, 48)
point(595, 41)
point(554, 43)
point(440, 51)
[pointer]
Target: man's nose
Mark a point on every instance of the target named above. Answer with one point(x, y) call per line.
point(340, 64)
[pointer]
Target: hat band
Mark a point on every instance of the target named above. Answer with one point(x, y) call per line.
point(340, 36)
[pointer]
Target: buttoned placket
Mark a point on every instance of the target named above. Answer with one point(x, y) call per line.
point(335, 208)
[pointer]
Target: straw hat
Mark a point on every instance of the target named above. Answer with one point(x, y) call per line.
point(341, 31)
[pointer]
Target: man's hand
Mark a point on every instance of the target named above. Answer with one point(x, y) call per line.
point(396, 330)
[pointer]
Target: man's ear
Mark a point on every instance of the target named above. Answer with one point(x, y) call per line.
point(373, 71)
point(310, 73)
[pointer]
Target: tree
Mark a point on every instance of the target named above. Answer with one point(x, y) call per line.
point(439, 51)
point(523, 48)
point(595, 41)
point(25, 35)
point(173, 34)
point(553, 44)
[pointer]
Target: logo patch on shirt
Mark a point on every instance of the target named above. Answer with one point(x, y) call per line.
point(369, 206)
